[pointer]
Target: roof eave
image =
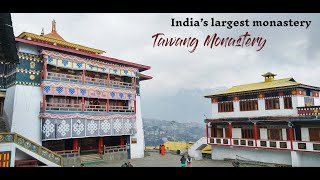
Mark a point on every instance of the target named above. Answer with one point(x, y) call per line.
point(135, 65)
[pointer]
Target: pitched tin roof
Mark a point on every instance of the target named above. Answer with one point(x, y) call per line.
point(259, 86)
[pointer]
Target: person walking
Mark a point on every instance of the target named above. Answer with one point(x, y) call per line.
point(183, 161)
point(189, 159)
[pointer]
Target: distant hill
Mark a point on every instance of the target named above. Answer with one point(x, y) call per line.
point(160, 131)
point(188, 105)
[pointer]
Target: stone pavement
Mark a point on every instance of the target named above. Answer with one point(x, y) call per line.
point(154, 159)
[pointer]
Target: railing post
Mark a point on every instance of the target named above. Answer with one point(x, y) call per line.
point(207, 132)
point(230, 132)
point(82, 104)
point(107, 105)
point(83, 76)
point(108, 80)
point(44, 103)
point(255, 133)
point(291, 137)
point(45, 69)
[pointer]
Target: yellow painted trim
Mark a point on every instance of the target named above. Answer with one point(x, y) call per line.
point(64, 43)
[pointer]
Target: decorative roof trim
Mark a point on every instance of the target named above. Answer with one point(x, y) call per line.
point(60, 42)
point(139, 66)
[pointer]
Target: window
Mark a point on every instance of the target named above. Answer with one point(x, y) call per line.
point(216, 132)
point(309, 101)
point(275, 134)
point(248, 133)
point(251, 105)
point(314, 134)
point(225, 107)
point(287, 102)
point(272, 103)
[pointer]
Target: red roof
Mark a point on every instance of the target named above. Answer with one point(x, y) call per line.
point(114, 60)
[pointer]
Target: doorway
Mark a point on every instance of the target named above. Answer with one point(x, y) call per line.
point(88, 146)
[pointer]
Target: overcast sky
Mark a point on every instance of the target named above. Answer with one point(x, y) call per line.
point(289, 52)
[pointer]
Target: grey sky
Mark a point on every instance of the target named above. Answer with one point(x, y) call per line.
point(289, 52)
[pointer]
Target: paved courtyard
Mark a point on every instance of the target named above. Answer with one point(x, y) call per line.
point(154, 159)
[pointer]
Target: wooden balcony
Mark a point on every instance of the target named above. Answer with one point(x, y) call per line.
point(63, 107)
point(95, 108)
point(119, 84)
point(64, 77)
point(88, 80)
point(121, 109)
point(87, 108)
point(308, 110)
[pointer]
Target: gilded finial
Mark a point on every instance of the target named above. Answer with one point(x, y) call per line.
point(42, 32)
point(54, 26)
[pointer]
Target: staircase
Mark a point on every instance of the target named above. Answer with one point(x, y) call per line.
point(195, 150)
point(91, 158)
point(15, 141)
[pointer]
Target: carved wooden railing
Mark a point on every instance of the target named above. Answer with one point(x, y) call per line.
point(64, 77)
point(120, 109)
point(69, 153)
point(111, 149)
point(63, 107)
point(94, 108)
point(121, 84)
point(96, 81)
point(31, 146)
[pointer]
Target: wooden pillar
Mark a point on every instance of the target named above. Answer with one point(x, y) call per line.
point(135, 83)
point(45, 69)
point(75, 144)
point(291, 137)
point(121, 140)
point(255, 132)
point(82, 104)
point(83, 76)
point(207, 132)
point(135, 104)
point(108, 80)
point(107, 105)
point(44, 103)
point(230, 132)
point(100, 144)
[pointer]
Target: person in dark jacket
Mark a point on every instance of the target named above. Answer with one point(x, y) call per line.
point(183, 161)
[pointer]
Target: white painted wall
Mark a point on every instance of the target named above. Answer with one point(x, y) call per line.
point(316, 101)
point(236, 132)
point(25, 115)
point(263, 133)
point(305, 134)
point(308, 159)
point(300, 101)
point(137, 150)
point(8, 106)
point(262, 155)
point(296, 101)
